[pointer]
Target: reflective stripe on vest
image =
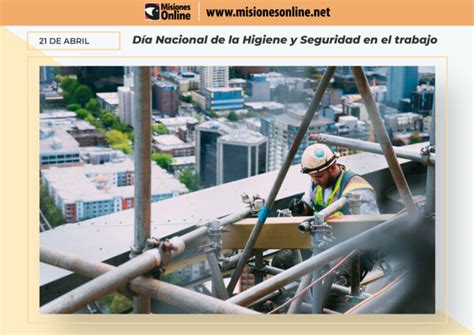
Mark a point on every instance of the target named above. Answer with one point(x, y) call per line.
point(343, 186)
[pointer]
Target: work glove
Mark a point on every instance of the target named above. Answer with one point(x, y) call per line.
point(296, 207)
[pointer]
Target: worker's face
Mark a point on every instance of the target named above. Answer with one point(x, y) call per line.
point(322, 178)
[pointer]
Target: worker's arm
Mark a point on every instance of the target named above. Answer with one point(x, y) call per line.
point(369, 203)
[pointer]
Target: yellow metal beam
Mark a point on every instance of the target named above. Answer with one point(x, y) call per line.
point(283, 233)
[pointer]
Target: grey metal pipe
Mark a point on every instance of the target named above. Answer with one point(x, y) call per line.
point(232, 261)
point(200, 232)
point(218, 286)
point(395, 169)
point(173, 295)
point(185, 299)
point(262, 216)
point(323, 214)
point(142, 195)
point(430, 193)
point(318, 290)
point(272, 295)
point(142, 125)
point(321, 290)
point(110, 281)
point(369, 239)
point(77, 264)
point(296, 304)
point(370, 147)
point(273, 270)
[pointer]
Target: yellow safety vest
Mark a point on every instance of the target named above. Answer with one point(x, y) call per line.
point(343, 186)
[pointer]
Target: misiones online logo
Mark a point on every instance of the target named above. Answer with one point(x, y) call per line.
point(166, 11)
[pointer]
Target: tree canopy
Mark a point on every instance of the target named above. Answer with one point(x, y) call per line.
point(190, 179)
point(81, 95)
point(159, 128)
point(47, 206)
point(163, 160)
point(232, 116)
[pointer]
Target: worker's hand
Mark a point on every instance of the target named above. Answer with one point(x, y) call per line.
point(296, 207)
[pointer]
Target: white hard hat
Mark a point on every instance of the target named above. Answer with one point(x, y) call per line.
point(316, 158)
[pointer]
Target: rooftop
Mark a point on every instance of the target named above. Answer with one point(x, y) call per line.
point(264, 105)
point(184, 160)
point(57, 141)
point(176, 121)
point(243, 136)
point(237, 81)
point(57, 114)
point(294, 117)
point(109, 97)
point(96, 182)
point(224, 89)
point(222, 126)
point(167, 140)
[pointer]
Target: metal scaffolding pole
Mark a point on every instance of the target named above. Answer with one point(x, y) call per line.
point(335, 287)
point(275, 294)
point(371, 147)
point(142, 195)
point(113, 280)
point(218, 286)
point(295, 304)
point(369, 239)
point(170, 294)
point(382, 136)
point(430, 202)
point(262, 216)
point(212, 250)
point(227, 220)
point(97, 288)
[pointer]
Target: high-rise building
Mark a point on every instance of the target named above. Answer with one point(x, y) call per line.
point(206, 135)
point(258, 89)
point(213, 76)
point(227, 151)
point(401, 81)
point(224, 98)
point(241, 154)
point(126, 106)
point(422, 99)
point(165, 98)
point(281, 131)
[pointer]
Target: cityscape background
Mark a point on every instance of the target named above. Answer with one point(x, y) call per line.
point(210, 125)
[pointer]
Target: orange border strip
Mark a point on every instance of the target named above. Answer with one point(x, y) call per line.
point(342, 13)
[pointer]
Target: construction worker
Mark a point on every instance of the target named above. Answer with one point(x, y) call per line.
point(329, 182)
